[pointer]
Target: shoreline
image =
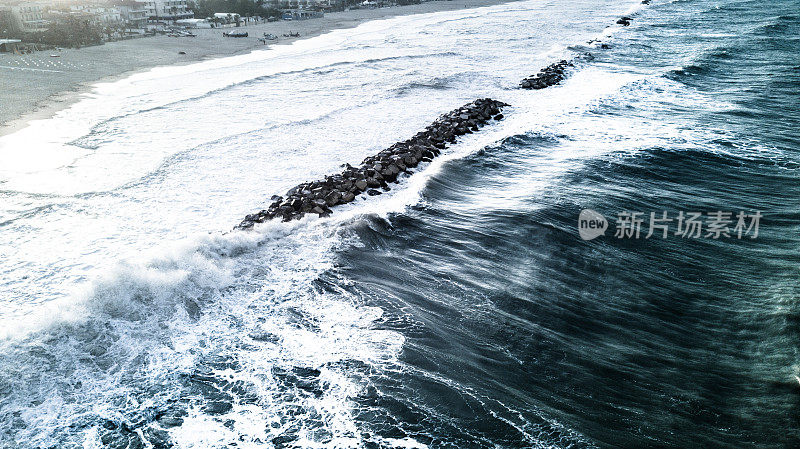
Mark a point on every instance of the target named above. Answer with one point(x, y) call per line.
point(54, 84)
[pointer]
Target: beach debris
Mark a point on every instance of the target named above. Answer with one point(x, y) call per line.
point(548, 76)
point(318, 197)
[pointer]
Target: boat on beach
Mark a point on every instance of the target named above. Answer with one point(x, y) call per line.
point(268, 37)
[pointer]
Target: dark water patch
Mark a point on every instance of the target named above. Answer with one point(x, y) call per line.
point(690, 70)
point(773, 29)
point(630, 343)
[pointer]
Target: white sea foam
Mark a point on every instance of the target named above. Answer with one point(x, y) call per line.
point(167, 315)
point(718, 35)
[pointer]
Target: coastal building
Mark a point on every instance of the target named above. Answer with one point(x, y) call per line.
point(166, 10)
point(8, 24)
point(133, 13)
point(98, 15)
point(24, 17)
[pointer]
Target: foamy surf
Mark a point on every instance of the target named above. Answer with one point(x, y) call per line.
point(210, 313)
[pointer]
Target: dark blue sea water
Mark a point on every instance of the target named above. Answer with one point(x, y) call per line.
point(462, 309)
point(518, 331)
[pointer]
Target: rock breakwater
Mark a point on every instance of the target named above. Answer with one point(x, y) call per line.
point(557, 71)
point(548, 76)
point(375, 172)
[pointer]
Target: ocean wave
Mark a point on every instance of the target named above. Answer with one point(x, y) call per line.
point(236, 326)
point(155, 172)
point(100, 129)
point(198, 324)
point(779, 26)
point(437, 83)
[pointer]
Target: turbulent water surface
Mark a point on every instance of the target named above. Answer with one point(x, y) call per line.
point(459, 310)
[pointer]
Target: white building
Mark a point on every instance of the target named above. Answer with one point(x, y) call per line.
point(170, 10)
point(99, 15)
point(25, 16)
point(133, 13)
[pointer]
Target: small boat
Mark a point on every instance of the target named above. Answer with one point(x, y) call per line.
point(235, 34)
point(267, 38)
point(291, 35)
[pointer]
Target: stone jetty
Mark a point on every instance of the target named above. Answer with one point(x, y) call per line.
point(375, 172)
point(557, 71)
point(548, 76)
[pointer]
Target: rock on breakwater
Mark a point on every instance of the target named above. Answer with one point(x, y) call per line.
point(555, 72)
point(548, 76)
point(375, 172)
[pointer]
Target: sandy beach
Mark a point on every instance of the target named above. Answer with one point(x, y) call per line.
point(35, 86)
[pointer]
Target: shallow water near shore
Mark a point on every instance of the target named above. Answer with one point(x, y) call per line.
point(460, 309)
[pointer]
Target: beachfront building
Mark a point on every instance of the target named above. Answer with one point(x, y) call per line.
point(8, 24)
point(24, 17)
point(133, 13)
point(98, 15)
point(166, 10)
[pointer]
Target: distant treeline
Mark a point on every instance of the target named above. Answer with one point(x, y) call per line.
point(245, 8)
